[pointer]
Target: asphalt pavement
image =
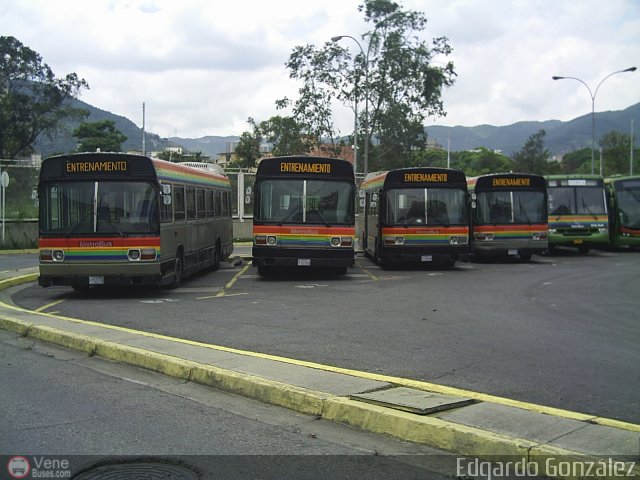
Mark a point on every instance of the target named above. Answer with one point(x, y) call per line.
point(463, 422)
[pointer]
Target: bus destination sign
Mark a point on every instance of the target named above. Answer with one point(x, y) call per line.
point(417, 177)
point(303, 167)
point(511, 182)
point(95, 166)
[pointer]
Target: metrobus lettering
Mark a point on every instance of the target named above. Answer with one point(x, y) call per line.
point(426, 177)
point(298, 167)
point(511, 182)
point(105, 166)
point(97, 244)
point(304, 231)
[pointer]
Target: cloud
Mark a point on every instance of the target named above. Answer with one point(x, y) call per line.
point(205, 67)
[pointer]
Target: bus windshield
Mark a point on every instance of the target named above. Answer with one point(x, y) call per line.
point(576, 201)
point(628, 197)
point(104, 207)
point(306, 201)
point(505, 207)
point(425, 206)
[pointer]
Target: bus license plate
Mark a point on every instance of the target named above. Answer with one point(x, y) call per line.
point(304, 262)
point(512, 252)
point(96, 280)
point(426, 258)
point(577, 241)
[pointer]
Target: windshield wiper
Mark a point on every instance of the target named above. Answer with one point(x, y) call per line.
point(324, 220)
point(113, 225)
point(69, 232)
point(584, 205)
point(524, 212)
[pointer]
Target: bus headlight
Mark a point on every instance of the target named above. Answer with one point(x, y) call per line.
point(552, 230)
point(272, 240)
point(346, 241)
point(335, 241)
point(133, 255)
point(260, 239)
point(148, 254)
point(394, 240)
point(603, 230)
point(51, 255)
point(453, 240)
point(484, 236)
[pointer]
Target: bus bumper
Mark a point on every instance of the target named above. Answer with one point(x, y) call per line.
point(268, 257)
point(422, 256)
point(85, 276)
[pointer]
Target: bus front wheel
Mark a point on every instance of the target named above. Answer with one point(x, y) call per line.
point(583, 249)
point(178, 272)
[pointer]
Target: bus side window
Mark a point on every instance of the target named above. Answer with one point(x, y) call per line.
point(166, 212)
point(200, 206)
point(191, 203)
point(218, 203)
point(225, 204)
point(178, 193)
point(209, 203)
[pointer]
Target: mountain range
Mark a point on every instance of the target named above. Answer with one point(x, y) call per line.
point(561, 137)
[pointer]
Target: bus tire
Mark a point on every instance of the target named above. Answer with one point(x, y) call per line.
point(178, 269)
point(583, 249)
point(263, 270)
point(341, 270)
point(217, 257)
point(525, 257)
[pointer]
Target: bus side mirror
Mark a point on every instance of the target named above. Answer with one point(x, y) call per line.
point(166, 189)
point(473, 204)
point(166, 199)
point(361, 193)
point(363, 202)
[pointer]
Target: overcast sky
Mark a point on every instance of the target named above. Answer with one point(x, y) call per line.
point(203, 67)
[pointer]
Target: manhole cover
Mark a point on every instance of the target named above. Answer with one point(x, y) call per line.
point(137, 471)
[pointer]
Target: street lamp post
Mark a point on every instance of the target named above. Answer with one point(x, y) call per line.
point(593, 108)
point(365, 167)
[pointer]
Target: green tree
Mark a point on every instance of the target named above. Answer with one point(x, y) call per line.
point(33, 101)
point(101, 135)
point(615, 153)
point(248, 150)
point(393, 76)
point(286, 135)
point(534, 158)
point(578, 161)
point(481, 161)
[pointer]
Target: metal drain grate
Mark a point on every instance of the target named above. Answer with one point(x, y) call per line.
point(138, 471)
point(414, 401)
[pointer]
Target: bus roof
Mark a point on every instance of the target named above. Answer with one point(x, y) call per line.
point(508, 181)
point(415, 177)
point(302, 166)
point(574, 180)
point(124, 166)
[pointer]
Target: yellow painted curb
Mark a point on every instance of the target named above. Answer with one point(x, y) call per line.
point(299, 399)
point(70, 340)
point(452, 437)
point(14, 325)
point(13, 281)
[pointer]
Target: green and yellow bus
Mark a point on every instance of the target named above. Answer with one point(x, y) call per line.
point(624, 207)
point(304, 214)
point(415, 215)
point(119, 219)
point(510, 218)
point(578, 214)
